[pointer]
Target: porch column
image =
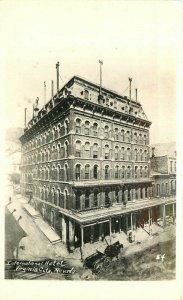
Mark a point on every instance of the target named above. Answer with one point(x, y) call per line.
point(63, 229)
point(71, 235)
point(164, 215)
point(150, 230)
point(110, 229)
point(131, 221)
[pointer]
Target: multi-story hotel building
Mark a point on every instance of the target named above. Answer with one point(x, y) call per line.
point(85, 163)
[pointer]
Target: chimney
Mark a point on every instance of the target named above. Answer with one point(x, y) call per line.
point(153, 149)
point(57, 67)
point(52, 89)
point(25, 117)
point(136, 95)
point(130, 80)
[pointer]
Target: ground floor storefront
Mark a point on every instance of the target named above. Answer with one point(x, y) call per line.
point(76, 233)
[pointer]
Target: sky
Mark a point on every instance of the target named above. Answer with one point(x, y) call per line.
point(137, 39)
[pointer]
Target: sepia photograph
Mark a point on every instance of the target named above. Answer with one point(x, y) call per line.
point(90, 143)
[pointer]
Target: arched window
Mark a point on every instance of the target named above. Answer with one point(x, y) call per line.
point(78, 195)
point(106, 172)
point(106, 132)
point(116, 150)
point(140, 138)
point(95, 129)
point(78, 149)
point(116, 195)
point(145, 139)
point(78, 126)
point(66, 149)
point(128, 174)
point(145, 172)
point(67, 127)
point(141, 156)
point(86, 95)
point(146, 192)
point(87, 199)
point(59, 198)
point(116, 172)
point(59, 150)
point(87, 149)
point(87, 127)
point(145, 155)
point(106, 155)
point(122, 153)
point(87, 172)
point(95, 202)
point(136, 172)
point(141, 175)
point(78, 172)
point(128, 139)
point(135, 155)
point(122, 135)
point(128, 154)
point(95, 150)
point(95, 172)
point(123, 172)
point(55, 133)
point(135, 137)
point(66, 173)
point(54, 173)
point(107, 102)
point(115, 104)
point(116, 137)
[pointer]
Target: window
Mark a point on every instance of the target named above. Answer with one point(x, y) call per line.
point(145, 139)
point(66, 127)
point(141, 193)
point(66, 149)
point(95, 150)
point(122, 153)
point(95, 172)
point(141, 156)
point(107, 102)
point(95, 198)
point(106, 172)
point(116, 134)
point(122, 135)
point(135, 137)
point(78, 194)
point(171, 166)
point(59, 201)
point(128, 154)
point(157, 190)
point(95, 129)
point(78, 172)
point(167, 190)
point(145, 155)
point(128, 139)
point(123, 172)
point(106, 155)
point(146, 192)
point(136, 172)
point(136, 193)
point(141, 172)
point(87, 128)
point(128, 172)
point(117, 196)
point(78, 149)
point(135, 155)
point(115, 104)
point(87, 149)
point(116, 153)
point(145, 172)
point(78, 126)
point(116, 172)
point(87, 199)
point(86, 95)
point(106, 132)
point(129, 194)
point(140, 138)
point(87, 172)
point(66, 173)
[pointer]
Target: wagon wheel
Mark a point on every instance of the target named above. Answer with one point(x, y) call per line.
point(107, 261)
point(97, 267)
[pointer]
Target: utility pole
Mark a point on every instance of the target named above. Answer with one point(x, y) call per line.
point(57, 67)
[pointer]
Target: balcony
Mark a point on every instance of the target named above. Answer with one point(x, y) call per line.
point(106, 182)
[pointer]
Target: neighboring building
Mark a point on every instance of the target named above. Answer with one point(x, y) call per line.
point(163, 172)
point(85, 164)
point(14, 163)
